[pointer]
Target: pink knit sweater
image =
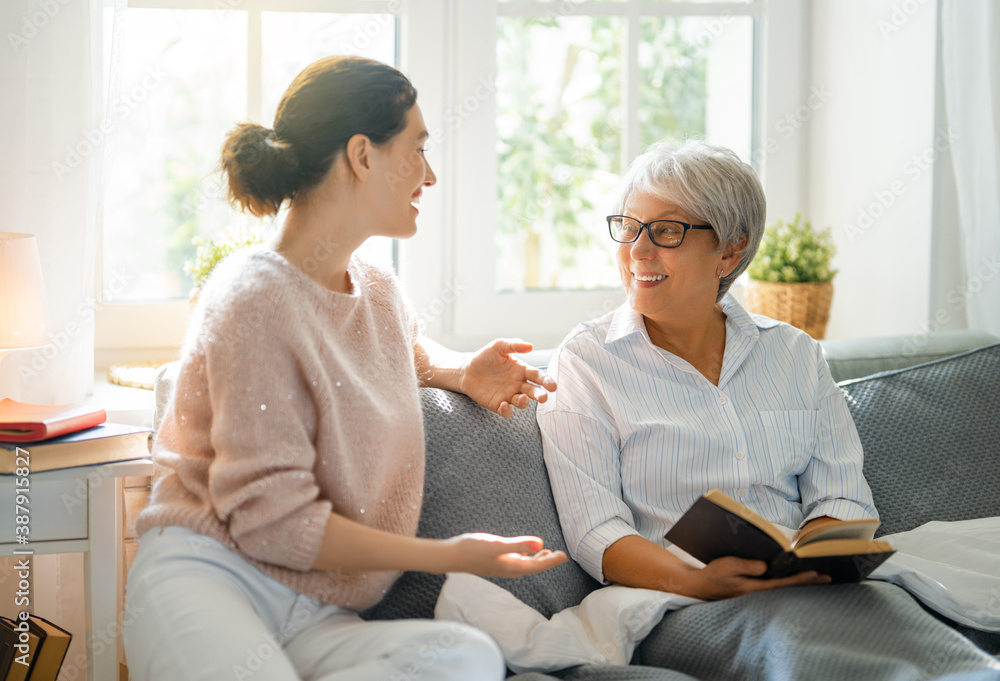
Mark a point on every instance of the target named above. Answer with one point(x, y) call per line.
point(293, 401)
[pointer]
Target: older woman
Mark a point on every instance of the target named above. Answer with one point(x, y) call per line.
point(679, 391)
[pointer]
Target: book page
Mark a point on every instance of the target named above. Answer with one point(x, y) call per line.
point(728, 503)
point(844, 547)
point(863, 528)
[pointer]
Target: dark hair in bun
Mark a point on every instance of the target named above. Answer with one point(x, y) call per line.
point(332, 100)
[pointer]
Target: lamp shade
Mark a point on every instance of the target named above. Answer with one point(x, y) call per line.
point(22, 294)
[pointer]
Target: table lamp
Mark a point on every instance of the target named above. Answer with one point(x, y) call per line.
point(22, 294)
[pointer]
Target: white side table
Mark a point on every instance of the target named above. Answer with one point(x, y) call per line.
point(80, 509)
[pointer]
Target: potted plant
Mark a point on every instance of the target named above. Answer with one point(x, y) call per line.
point(791, 279)
point(213, 251)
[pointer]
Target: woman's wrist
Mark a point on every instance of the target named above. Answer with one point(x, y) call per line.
point(691, 581)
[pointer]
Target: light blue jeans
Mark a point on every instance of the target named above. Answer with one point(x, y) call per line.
point(198, 611)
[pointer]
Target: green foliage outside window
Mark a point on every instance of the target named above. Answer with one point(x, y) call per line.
point(794, 252)
point(555, 145)
point(213, 251)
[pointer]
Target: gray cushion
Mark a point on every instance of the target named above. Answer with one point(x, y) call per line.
point(931, 435)
point(485, 474)
point(856, 357)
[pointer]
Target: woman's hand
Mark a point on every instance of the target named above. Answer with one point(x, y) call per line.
point(499, 382)
point(488, 555)
point(636, 561)
point(730, 576)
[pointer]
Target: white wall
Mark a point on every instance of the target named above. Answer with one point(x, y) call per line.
point(870, 158)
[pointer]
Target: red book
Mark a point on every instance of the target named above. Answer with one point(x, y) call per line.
point(21, 422)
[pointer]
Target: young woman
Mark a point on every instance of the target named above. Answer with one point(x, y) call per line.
point(294, 440)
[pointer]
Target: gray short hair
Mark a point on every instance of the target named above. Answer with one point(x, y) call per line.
point(709, 182)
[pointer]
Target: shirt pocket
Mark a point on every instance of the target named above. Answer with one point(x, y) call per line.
point(788, 439)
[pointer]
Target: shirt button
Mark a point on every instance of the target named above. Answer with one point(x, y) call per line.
point(741, 491)
point(723, 400)
point(741, 455)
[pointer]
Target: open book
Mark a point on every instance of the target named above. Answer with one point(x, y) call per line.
point(717, 525)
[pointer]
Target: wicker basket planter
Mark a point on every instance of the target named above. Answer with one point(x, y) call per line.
point(804, 306)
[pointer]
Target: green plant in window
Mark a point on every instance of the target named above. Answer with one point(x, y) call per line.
point(210, 252)
point(555, 141)
point(794, 252)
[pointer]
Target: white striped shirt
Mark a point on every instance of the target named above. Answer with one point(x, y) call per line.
point(635, 435)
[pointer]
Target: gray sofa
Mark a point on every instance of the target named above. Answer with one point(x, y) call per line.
point(932, 441)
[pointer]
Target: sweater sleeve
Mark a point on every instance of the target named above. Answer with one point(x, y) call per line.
point(261, 479)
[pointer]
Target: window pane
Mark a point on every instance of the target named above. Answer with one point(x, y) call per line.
point(559, 150)
point(696, 79)
point(183, 86)
point(293, 40)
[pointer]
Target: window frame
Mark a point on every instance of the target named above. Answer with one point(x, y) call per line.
point(153, 330)
point(546, 315)
point(447, 47)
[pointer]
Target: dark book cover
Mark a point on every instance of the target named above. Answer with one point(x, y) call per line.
point(717, 526)
point(18, 671)
point(52, 649)
point(708, 531)
point(842, 569)
point(7, 639)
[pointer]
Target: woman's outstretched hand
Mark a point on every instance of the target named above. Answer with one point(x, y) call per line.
point(499, 382)
point(489, 555)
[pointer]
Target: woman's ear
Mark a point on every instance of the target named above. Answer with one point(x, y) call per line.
point(732, 253)
point(358, 154)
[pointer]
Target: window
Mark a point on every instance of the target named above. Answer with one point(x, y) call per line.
point(190, 75)
point(618, 76)
point(191, 69)
point(511, 241)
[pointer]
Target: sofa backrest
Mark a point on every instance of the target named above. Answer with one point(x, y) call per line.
point(485, 474)
point(931, 435)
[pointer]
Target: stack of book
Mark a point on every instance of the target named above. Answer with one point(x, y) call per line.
point(37, 659)
point(47, 437)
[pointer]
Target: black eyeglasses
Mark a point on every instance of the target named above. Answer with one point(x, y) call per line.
point(663, 233)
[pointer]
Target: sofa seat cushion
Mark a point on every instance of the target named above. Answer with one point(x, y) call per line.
point(931, 436)
point(485, 474)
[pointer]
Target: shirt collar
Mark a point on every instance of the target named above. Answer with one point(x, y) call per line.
point(625, 321)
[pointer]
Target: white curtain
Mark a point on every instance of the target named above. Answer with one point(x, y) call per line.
point(970, 53)
point(55, 144)
point(55, 150)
